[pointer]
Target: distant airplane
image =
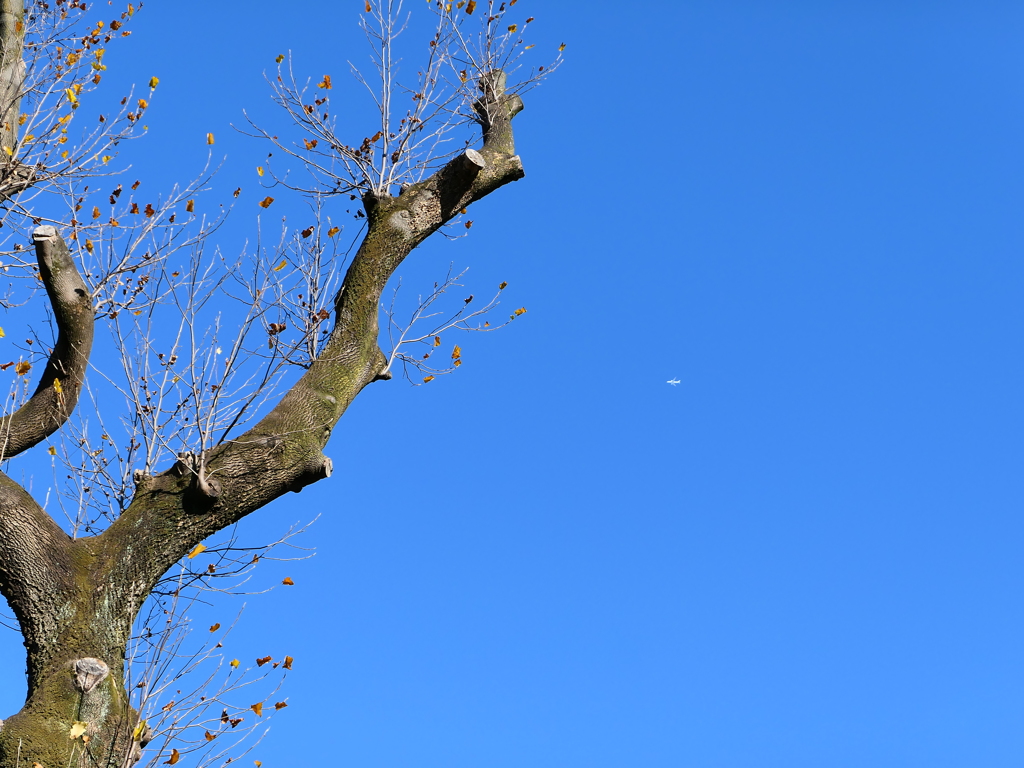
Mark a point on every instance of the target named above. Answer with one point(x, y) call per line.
point(673, 382)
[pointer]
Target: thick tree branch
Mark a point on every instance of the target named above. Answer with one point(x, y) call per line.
point(57, 394)
point(284, 451)
point(35, 561)
point(14, 177)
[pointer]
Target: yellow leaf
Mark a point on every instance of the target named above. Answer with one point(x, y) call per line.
point(437, 341)
point(457, 352)
point(2, 334)
point(503, 286)
point(154, 82)
point(266, 201)
point(209, 138)
point(258, 763)
point(77, 729)
point(520, 311)
point(512, 27)
point(259, 170)
point(22, 368)
point(282, 265)
point(143, 103)
point(107, 158)
point(57, 386)
point(96, 212)
point(234, 663)
point(427, 378)
point(561, 47)
point(288, 581)
point(137, 312)
point(200, 548)
point(88, 245)
point(330, 233)
point(257, 708)
point(280, 58)
point(52, 451)
point(175, 757)
point(140, 730)
point(325, 83)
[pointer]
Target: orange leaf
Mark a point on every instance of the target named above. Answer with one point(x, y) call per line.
point(288, 582)
point(200, 548)
point(190, 206)
point(22, 368)
point(266, 201)
point(333, 231)
point(257, 708)
point(209, 138)
point(215, 627)
point(288, 662)
point(210, 736)
point(427, 379)
point(175, 757)
point(264, 660)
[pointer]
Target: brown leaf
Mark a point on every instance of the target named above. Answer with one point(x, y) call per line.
point(210, 736)
point(257, 708)
point(266, 201)
point(264, 660)
point(288, 662)
point(175, 757)
point(215, 627)
point(281, 705)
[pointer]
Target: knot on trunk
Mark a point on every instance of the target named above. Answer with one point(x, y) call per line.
point(316, 470)
point(89, 673)
point(202, 484)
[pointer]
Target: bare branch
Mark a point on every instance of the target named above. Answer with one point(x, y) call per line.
point(61, 383)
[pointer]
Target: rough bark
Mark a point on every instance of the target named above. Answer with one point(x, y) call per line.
point(76, 600)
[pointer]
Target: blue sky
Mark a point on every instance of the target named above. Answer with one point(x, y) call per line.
point(809, 551)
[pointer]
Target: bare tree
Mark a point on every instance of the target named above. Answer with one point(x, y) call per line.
point(228, 409)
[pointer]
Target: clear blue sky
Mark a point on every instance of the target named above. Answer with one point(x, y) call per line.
point(809, 552)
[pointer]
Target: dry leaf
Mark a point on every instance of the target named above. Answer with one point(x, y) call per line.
point(209, 138)
point(287, 581)
point(77, 729)
point(175, 757)
point(266, 201)
point(200, 548)
point(257, 708)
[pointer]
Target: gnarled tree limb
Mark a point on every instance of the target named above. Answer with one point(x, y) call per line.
point(284, 451)
point(57, 394)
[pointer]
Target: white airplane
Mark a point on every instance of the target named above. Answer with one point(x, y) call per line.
point(673, 382)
